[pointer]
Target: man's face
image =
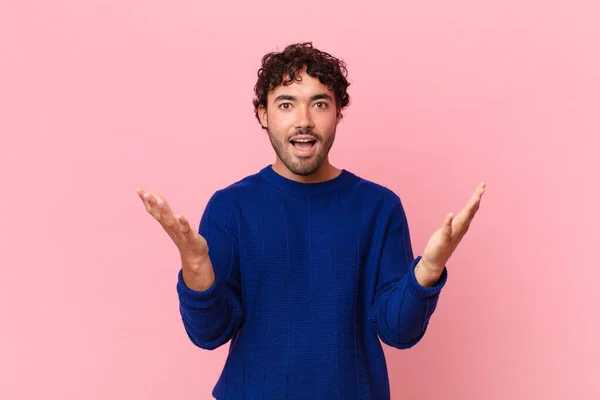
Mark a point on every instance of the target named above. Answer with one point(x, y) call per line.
point(301, 120)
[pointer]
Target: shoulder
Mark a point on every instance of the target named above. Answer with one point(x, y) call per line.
point(239, 188)
point(228, 197)
point(373, 191)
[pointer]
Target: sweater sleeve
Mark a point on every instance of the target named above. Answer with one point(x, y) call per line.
point(402, 307)
point(213, 316)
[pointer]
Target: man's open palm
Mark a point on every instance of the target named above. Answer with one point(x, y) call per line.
point(444, 241)
point(188, 241)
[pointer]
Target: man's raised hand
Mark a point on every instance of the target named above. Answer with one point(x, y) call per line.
point(444, 241)
point(191, 245)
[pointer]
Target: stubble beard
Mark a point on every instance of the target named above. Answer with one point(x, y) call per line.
point(302, 166)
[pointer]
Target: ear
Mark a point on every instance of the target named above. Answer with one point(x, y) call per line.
point(262, 115)
point(338, 117)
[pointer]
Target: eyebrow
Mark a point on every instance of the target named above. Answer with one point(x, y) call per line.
point(318, 96)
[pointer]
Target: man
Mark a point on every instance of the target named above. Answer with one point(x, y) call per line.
point(305, 266)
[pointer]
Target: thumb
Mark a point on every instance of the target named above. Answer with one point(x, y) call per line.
point(447, 228)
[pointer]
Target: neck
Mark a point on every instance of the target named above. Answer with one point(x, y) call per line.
point(325, 172)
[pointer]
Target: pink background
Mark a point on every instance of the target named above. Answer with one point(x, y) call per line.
point(100, 97)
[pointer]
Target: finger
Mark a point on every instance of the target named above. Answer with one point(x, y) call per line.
point(163, 204)
point(185, 225)
point(471, 209)
point(165, 210)
point(479, 192)
point(142, 194)
point(463, 220)
point(473, 205)
point(157, 209)
point(160, 201)
point(184, 230)
point(176, 229)
point(447, 227)
point(154, 209)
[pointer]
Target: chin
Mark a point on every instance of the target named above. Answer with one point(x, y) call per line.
point(304, 169)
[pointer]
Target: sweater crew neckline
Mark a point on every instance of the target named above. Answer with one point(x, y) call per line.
point(269, 174)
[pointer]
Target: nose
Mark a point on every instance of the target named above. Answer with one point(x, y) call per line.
point(303, 118)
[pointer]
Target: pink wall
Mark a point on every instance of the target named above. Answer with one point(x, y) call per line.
point(100, 97)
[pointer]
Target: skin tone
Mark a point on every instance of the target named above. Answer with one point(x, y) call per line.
point(444, 241)
point(197, 270)
point(304, 110)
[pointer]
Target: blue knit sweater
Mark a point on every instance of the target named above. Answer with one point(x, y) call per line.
point(308, 278)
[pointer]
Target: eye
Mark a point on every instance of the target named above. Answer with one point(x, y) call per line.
point(285, 106)
point(322, 104)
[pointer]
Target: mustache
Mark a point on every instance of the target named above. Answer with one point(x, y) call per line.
point(305, 132)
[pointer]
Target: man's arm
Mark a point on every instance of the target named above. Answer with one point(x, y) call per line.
point(407, 289)
point(402, 306)
point(210, 301)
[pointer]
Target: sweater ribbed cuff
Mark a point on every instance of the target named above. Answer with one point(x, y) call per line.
point(199, 299)
point(422, 291)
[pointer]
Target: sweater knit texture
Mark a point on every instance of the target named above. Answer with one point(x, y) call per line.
point(310, 279)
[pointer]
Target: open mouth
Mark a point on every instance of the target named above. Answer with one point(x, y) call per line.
point(303, 144)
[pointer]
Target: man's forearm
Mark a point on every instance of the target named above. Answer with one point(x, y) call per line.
point(211, 313)
point(427, 276)
point(198, 273)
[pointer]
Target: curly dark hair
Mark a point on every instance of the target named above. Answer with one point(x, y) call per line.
point(329, 70)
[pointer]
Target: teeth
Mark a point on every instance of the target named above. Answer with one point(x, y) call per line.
point(303, 140)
